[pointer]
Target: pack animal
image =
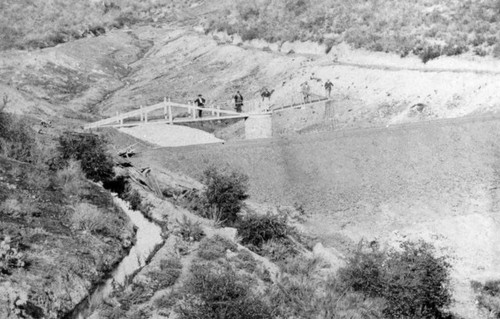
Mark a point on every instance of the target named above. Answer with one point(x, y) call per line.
point(265, 93)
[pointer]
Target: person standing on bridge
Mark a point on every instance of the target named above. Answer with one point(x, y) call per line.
point(306, 91)
point(238, 102)
point(200, 102)
point(328, 87)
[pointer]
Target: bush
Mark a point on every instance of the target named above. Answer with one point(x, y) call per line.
point(10, 257)
point(89, 218)
point(413, 283)
point(90, 150)
point(132, 196)
point(429, 52)
point(170, 270)
point(489, 296)
point(189, 230)
point(16, 136)
point(218, 292)
point(224, 193)
point(256, 229)
point(72, 180)
point(215, 247)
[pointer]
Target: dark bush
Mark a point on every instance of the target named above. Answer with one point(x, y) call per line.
point(454, 49)
point(218, 292)
point(90, 150)
point(224, 193)
point(132, 196)
point(256, 229)
point(413, 283)
point(429, 52)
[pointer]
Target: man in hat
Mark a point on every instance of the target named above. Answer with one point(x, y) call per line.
point(328, 87)
point(238, 102)
point(200, 102)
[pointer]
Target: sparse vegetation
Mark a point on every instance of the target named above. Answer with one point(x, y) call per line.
point(215, 247)
point(219, 292)
point(166, 276)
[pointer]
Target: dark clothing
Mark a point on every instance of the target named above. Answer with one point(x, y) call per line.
point(238, 102)
point(328, 87)
point(200, 102)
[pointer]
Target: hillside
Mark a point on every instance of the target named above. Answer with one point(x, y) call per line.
point(425, 28)
point(436, 181)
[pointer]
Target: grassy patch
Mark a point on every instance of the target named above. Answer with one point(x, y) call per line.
point(215, 247)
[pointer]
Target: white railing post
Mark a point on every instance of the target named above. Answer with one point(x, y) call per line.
point(170, 116)
point(218, 110)
point(142, 114)
point(165, 108)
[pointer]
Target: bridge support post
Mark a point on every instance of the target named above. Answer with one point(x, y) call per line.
point(193, 111)
point(218, 110)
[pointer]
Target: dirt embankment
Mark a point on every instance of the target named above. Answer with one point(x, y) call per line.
point(437, 181)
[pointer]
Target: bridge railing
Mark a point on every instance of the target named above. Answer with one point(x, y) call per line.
point(164, 111)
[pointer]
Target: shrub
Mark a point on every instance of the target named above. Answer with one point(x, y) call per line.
point(256, 229)
point(429, 52)
point(189, 230)
point(10, 257)
point(278, 250)
point(413, 283)
point(89, 218)
point(90, 150)
point(488, 296)
point(17, 139)
point(132, 196)
point(170, 270)
point(224, 192)
point(72, 180)
point(215, 247)
point(218, 292)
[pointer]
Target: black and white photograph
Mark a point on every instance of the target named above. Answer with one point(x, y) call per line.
point(249, 159)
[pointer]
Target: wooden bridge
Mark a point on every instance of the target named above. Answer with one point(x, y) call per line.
point(163, 113)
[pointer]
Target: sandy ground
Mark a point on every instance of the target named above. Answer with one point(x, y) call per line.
point(171, 135)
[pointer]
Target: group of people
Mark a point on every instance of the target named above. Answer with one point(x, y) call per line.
point(238, 98)
point(305, 89)
point(238, 103)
